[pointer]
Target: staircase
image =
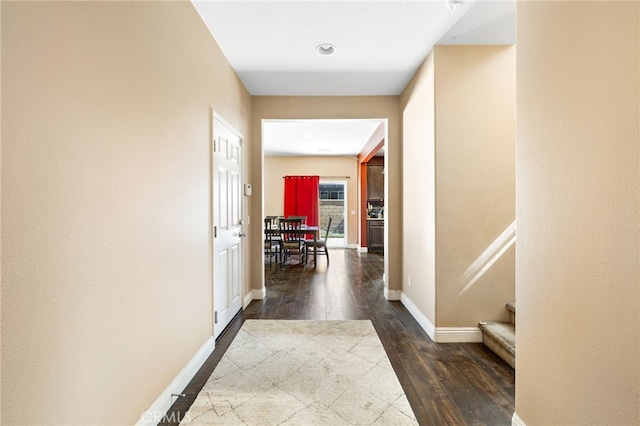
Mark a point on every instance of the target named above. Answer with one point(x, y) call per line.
point(500, 337)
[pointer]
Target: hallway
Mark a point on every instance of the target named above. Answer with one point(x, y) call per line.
point(446, 384)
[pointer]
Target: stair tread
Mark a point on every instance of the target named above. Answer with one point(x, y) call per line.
point(503, 332)
point(511, 306)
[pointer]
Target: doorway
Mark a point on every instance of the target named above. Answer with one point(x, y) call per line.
point(331, 148)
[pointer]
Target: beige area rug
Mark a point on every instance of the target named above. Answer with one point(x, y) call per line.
point(283, 372)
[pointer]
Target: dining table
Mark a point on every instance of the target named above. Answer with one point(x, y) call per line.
point(304, 229)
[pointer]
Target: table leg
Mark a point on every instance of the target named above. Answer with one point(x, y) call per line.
point(315, 249)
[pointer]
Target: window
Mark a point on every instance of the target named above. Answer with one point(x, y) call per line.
point(331, 192)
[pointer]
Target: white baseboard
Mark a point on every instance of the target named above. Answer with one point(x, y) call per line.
point(247, 299)
point(424, 322)
point(442, 334)
point(352, 246)
point(458, 335)
point(517, 421)
point(392, 294)
point(254, 294)
point(363, 249)
point(159, 408)
point(258, 294)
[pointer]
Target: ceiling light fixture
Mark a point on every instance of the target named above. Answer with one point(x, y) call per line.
point(326, 49)
point(454, 4)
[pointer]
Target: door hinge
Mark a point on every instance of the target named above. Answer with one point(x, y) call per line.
point(215, 317)
point(215, 145)
point(215, 232)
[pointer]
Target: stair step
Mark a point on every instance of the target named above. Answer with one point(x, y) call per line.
point(500, 337)
point(511, 307)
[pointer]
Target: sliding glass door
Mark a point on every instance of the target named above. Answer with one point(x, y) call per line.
point(333, 202)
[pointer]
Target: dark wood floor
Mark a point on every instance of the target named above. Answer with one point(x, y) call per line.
point(446, 384)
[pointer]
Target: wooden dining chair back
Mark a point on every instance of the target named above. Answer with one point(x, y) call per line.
point(274, 220)
point(319, 246)
point(271, 240)
point(302, 218)
point(292, 240)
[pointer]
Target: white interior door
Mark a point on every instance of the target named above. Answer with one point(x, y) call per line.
point(227, 215)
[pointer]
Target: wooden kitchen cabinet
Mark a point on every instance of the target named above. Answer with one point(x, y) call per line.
point(375, 235)
point(375, 204)
point(375, 182)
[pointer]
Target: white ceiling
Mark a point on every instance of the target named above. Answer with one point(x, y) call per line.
point(271, 44)
point(317, 137)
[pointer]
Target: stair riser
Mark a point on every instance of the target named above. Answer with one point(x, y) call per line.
point(511, 307)
point(500, 350)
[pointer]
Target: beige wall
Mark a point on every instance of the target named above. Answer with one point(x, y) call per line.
point(0, 211)
point(277, 167)
point(106, 278)
point(578, 285)
point(418, 176)
point(330, 107)
point(475, 183)
point(458, 154)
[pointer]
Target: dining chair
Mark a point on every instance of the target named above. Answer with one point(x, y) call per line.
point(271, 240)
point(292, 240)
point(319, 246)
point(273, 219)
point(302, 218)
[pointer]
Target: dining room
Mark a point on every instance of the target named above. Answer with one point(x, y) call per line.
point(290, 196)
point(328, 150)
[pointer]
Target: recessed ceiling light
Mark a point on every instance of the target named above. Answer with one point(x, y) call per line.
point(454, 4)
point(326, 49)
point(325, 149)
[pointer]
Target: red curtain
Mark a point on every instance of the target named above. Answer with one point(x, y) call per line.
point(301, 197)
